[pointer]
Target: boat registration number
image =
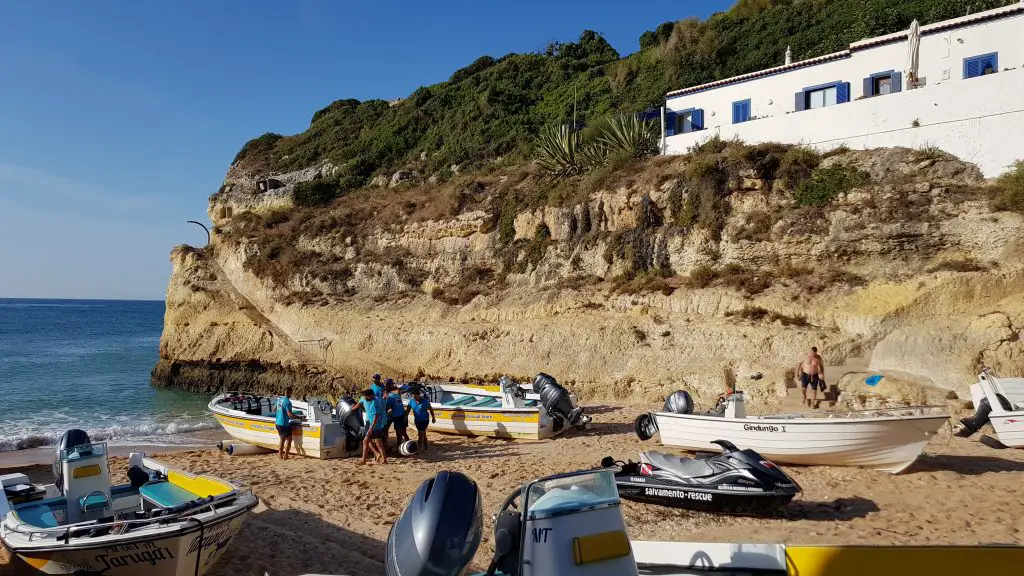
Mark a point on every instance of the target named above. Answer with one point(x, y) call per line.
point(764, 428)
point(680, 494)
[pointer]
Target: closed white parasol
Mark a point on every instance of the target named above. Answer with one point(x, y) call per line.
point(913, 53)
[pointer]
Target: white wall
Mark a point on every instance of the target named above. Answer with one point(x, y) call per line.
point(980, 119)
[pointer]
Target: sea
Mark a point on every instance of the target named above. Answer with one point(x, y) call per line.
point(85, 364)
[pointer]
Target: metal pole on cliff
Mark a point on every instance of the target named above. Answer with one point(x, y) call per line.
point(203, 226)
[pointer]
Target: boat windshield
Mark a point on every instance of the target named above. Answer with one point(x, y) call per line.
point(93, 450)
point(571, 493)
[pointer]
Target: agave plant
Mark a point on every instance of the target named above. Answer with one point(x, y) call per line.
point(559, 151)
point(628, 134)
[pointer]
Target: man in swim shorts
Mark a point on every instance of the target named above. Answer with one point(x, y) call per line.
point(283, 424)
point(809, 372)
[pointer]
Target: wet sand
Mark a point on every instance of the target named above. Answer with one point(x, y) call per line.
point(333, 517)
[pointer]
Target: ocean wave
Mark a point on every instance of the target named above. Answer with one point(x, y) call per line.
point(113, 433)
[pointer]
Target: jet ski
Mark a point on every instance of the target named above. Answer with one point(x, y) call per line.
point(734, 482)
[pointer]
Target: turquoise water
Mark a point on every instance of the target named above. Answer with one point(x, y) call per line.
point(85, 364)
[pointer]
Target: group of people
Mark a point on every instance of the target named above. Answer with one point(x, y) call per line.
point(382, 408)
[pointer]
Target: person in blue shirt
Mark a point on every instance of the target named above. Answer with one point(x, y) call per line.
point(376, 414)
point(396, 414)
point(421, 409)
point(284, 424)
point(378, 390)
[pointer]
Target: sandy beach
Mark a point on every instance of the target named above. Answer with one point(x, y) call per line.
point(333, 517)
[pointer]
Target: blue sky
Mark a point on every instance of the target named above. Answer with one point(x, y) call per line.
point(118, 119)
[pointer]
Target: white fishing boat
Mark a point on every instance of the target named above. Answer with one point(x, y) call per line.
point(512, 413)
point(1011, 388)
point(867, 439)
point(163, 522)
point(572, 525)
point(323, 430)
point(995, 407)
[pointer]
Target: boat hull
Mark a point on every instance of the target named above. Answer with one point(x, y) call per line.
point(650, 491)
point(517, 423)
point(884, 443)
point(1009, 427)
point(313, 440)
point(173, 554)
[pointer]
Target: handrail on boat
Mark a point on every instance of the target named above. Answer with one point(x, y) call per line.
point(163, 519)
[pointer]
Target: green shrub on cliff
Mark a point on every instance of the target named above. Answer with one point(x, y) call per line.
point(316, 192)
point(1010, 186)
point(826, 184)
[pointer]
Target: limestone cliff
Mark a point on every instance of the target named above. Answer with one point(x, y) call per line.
point(671, 272)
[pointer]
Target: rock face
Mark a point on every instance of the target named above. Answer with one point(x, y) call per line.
point(622, 293)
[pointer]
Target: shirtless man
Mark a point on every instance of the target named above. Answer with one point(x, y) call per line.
point(809, 371)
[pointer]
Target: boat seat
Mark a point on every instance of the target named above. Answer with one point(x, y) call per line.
point(683, 467)
point(462, 401)
point(165, 494)
point(38, 515)
point(487, 402)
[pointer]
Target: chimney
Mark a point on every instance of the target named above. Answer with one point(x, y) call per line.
point(789, 53)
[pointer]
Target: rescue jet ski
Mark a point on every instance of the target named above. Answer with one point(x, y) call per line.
point(733, 482)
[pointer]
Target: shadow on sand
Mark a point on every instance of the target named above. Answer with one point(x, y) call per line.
point(967, 465)
point(840, 509)
point(291, 542)
point(592, 410)
point(471, 448)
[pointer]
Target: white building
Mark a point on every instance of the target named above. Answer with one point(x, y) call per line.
point(956, 85)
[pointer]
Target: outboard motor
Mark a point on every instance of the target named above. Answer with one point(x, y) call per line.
point(558, 404)
point(440, 530)
point(981, 416)
point(351, 422)
point(679, 402)
point(68, 442)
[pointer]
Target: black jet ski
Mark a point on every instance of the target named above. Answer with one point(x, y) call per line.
point(733, 482)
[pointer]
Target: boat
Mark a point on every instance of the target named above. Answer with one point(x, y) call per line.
point(995, 407)
point(733, 482)
point(1011, 388)
point(876, 439)
point(512, 413)
point(322, 430)
point(572, 525)
point(163, 522)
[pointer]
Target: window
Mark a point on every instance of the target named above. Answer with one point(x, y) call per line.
point(824, 95)
point(821, 98)
point(883, 83)
point(740, 111)
point(690, 120)
point(981, 65)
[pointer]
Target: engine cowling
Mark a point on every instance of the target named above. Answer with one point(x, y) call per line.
point(440, 530)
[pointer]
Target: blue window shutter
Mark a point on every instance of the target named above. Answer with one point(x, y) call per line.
point(746, 110)
point(972, 68)
point(670, 123)
point(992, 61)
point(801, 102)
point(842, 92)
point(869, 87)
point(697, 119)
point(897, 82)
point(737, 110)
